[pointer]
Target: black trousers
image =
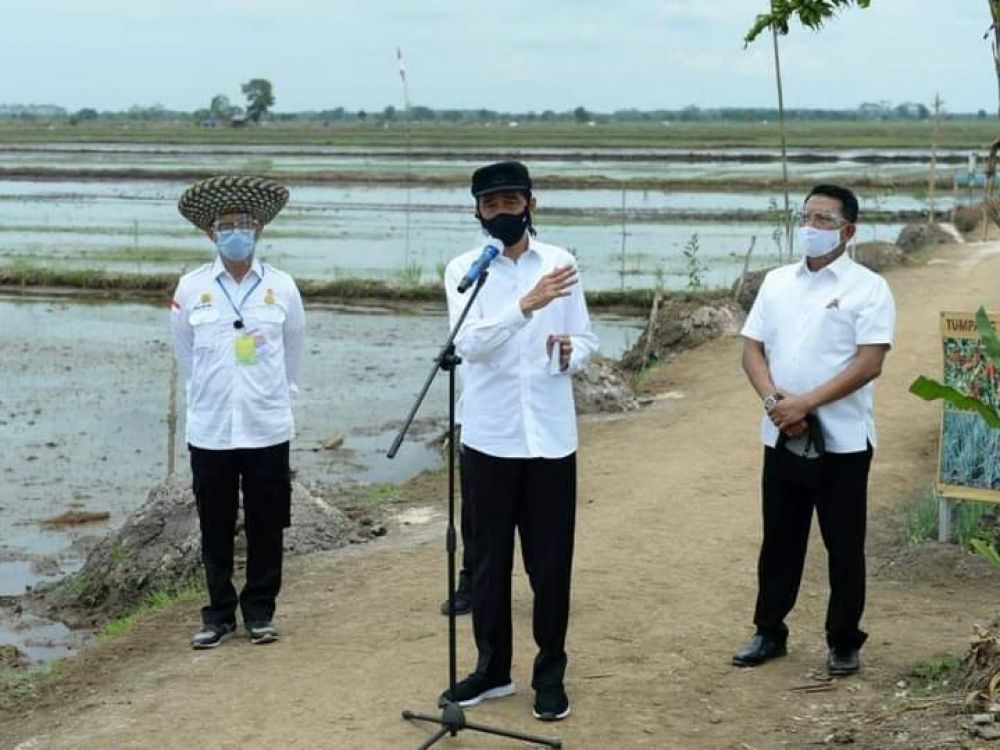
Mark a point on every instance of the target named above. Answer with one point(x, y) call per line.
point(469, 551)
point(263, 475)
point(537, 497)
point(839, 493)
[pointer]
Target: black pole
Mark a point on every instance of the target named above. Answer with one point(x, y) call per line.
point(452, 718)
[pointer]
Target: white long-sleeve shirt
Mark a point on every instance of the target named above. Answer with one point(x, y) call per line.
point(513, 404)
point(239, 381)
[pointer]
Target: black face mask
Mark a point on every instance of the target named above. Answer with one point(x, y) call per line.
point(508, 228)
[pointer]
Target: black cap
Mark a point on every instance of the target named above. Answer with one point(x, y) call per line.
point(504, 175)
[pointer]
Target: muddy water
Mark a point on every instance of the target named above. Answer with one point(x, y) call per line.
point(83, 412)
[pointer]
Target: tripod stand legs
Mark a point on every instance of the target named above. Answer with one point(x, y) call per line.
point(452, 721)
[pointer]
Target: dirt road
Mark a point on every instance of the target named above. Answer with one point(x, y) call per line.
point(668, 529)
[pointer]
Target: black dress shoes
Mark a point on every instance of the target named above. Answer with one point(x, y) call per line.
point(842, 661)
point(759, 649)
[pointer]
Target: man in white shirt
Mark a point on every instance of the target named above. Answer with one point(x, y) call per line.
point(526, 334)
point(238, 328)
point(815, 341)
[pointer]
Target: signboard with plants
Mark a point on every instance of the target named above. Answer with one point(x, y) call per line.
point(969, 451)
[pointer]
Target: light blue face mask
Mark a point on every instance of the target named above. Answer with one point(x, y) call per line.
point(235, 245)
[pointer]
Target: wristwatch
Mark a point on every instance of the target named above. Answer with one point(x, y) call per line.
point(771, 401)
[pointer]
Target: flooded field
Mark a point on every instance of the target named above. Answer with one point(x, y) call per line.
point(407, 235)
point(84, 408)
point(83, 411)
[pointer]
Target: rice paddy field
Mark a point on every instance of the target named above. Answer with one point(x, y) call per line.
point(656, 205)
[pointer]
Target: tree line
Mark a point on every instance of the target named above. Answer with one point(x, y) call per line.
point(222, 111)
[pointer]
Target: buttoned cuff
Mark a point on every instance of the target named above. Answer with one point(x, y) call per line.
point(577, 361)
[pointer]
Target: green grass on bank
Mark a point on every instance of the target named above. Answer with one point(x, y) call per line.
point(965, 133)
point(27, 278)
point(21, 686)
point(920, 523)
point(155, 602)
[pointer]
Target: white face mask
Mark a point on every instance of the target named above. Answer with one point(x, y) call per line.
point(816, 243)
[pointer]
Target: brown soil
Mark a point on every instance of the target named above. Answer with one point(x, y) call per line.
point(663, 593)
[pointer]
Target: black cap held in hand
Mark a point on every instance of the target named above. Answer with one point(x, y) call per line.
point(504, 175)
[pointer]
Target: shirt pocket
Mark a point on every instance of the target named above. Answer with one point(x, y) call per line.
point(267, 316)
point(837, 329)
point(204, 323)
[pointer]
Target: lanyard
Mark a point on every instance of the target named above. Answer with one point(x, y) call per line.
point(238, 323)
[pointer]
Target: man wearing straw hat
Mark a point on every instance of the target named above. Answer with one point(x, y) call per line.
point(238, 328)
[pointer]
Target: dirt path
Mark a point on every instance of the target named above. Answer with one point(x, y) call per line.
point(663, 594)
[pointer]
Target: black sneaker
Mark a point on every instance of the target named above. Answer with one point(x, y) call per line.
point(262, 632)
point(463, 598)
point(212, 634)
point(551, 704)
point(475, 689)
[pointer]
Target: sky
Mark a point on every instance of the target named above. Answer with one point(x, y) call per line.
point(507, 55)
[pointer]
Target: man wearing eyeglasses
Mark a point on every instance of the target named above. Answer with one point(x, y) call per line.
point(814, 342)
point(238, 327)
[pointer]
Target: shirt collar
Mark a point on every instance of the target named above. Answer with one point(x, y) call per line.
point(530, 249)
point(219, 270)
point(838, 268)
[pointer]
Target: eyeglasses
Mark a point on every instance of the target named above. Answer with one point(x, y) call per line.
point(822, 219)
point(224, 228)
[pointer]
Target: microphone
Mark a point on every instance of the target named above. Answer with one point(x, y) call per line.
point(478, 268)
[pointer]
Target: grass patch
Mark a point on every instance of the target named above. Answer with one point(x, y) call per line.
point(920, 523)
point(24, 685)
point(724, 181)
point(928, 675)
point(920, 519)
point(23, 275)
point(154, 602)
point(966, 133)
point(381, 494)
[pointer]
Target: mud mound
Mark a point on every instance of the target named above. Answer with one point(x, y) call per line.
point(913, 237)
point(746, 287)
point(678, 324)
point(879, 256)
point(158, 549)
point(603, 387)
point(938, 565)
point(969, 218)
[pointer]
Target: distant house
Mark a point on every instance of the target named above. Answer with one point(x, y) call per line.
point(238, 121)
point(209, 122)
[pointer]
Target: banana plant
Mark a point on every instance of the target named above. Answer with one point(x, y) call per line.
point(932, 390)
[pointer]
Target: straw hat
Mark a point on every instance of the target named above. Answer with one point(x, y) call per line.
point(207, 199)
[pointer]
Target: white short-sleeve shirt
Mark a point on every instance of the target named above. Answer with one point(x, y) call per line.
point(811, 324)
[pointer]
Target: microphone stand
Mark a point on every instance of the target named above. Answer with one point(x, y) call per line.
point(452, 719)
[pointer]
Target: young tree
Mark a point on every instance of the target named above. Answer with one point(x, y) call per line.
point(259, 97)
point(811, 13)
point(995, 29)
